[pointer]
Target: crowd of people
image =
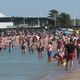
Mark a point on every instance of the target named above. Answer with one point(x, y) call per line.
point(67, 46)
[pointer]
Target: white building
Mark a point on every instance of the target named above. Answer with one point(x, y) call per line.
point(5, 24)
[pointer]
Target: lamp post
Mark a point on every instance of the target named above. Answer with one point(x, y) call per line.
point(45, 28)
point(24, 22)
point(38, 22)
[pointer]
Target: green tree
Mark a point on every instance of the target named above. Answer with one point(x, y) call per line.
point(53, 14)
point(65, 20)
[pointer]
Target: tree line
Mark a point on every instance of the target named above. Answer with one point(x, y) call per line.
point(60, 19)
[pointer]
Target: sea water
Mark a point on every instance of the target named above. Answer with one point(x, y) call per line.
point(28, 66)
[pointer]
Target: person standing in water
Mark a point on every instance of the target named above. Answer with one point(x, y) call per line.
point(1, 44)
point(10, 46)
point(49, 51)
point(23, 47)
point(78, 50)
point(41, 50)
point(70, 50)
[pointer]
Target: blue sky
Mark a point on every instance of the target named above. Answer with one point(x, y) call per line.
point(39, 7)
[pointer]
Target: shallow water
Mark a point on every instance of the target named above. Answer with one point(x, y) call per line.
point(18, 66)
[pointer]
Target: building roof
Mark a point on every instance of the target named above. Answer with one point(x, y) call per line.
point(2, 15)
